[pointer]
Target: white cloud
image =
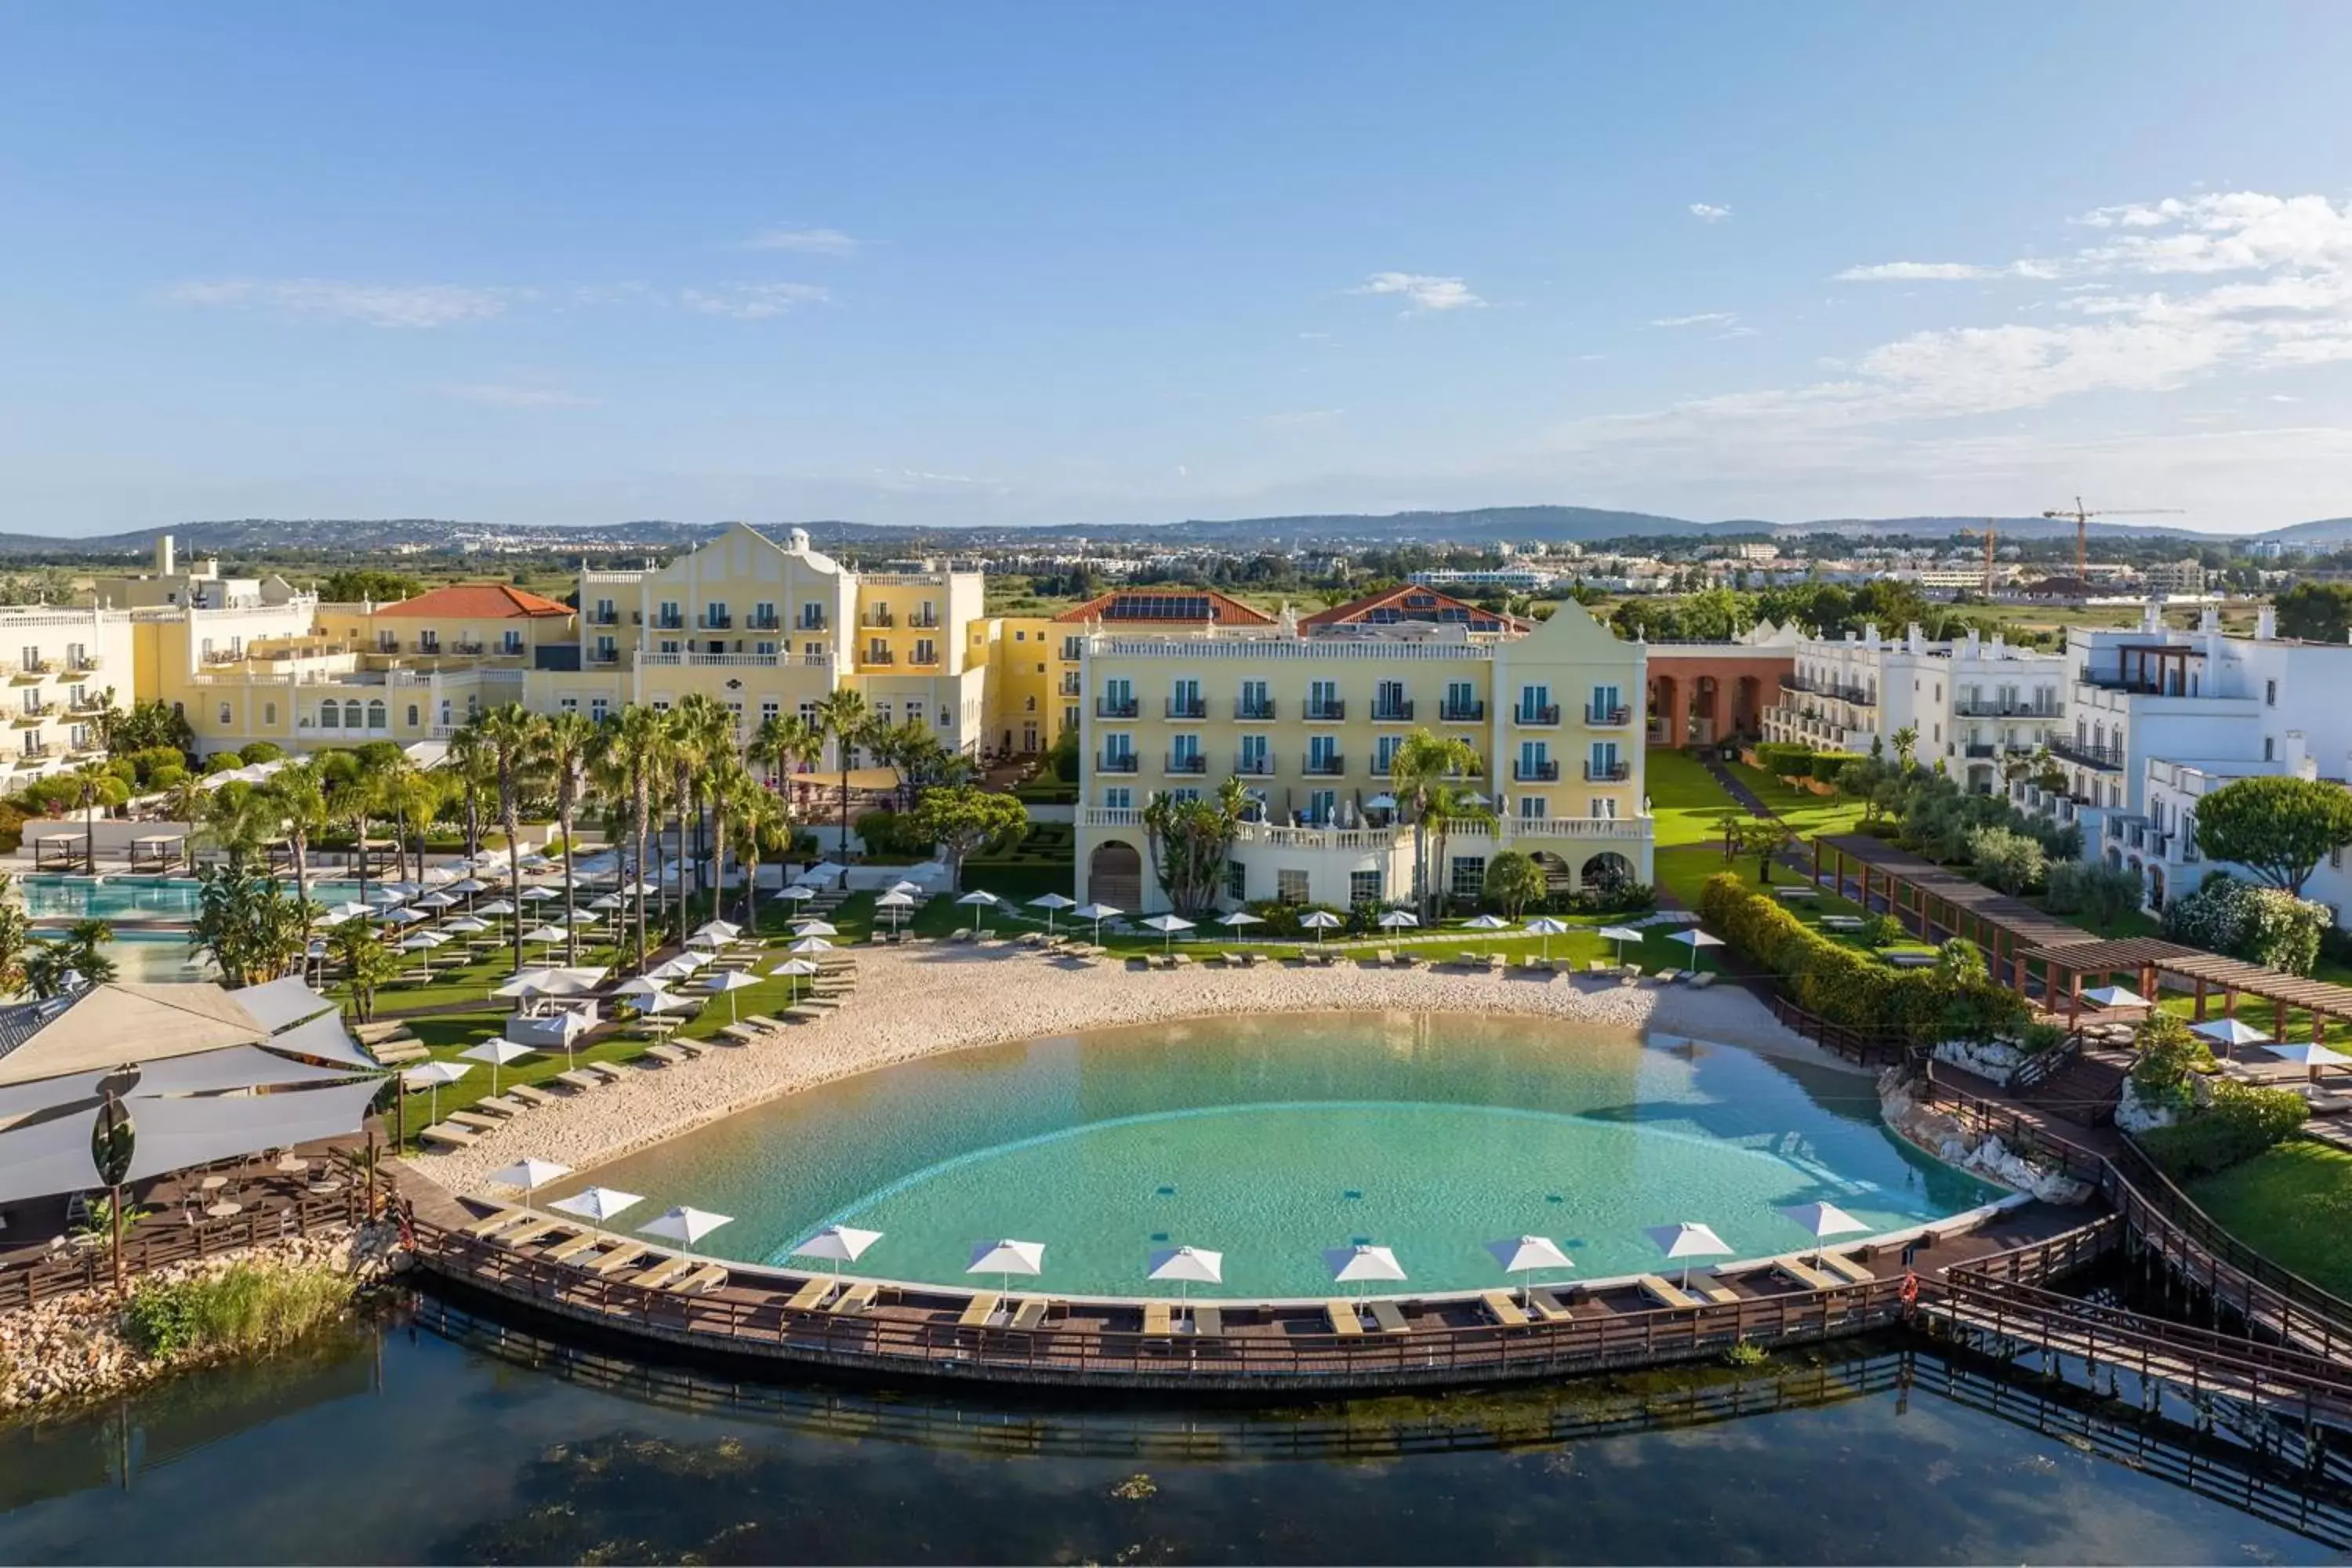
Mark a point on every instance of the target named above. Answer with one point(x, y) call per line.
point(1706, 212)
point(1915, 271)
point(1706, 318)
point(375, 304)
point(503, 396)
point(1422, 291)
point(753, 302)
point(804, 241)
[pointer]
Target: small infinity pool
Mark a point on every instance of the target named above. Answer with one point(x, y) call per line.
point(1272, 1139)
point(168, 899)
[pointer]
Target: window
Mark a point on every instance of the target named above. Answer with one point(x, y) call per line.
point(514, 642)
point(1604, 704)
point(1020, 637)
point(1603, 807)
point(2269, 693)
point(808, 713)
point(1384, 751)
point(1323, 700)
point(1323, 754)
point(1256, 756)
point(606, 614)
point(270, 714)
point(1531, 808)
point(429, 641)
point(1322, 807)
point(330, 716)
point(1291, 886)
point(1254, 704)
point(1029, 705)
point(1184, 753)
point(668, 617)
point(770, 709)
point(1363, 887)
point(1535, 705)
point(1467, 878)
point(813, 616)
point(1236, 881)
point(2270, 748)
point(1070, 716)
point(224, 713)
point(596, 710)
point(927, 651)
point(1073, 648)
point(375, 714)
point(1118, 797)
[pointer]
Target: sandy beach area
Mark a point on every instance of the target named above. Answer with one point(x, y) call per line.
point(922, 1000)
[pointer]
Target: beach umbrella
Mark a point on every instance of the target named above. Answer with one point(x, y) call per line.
point(1362, 1263)
point(1188, 1266)
point(2311, 1056)
point(725, 930)
point(694, 960)
point(904, 886)
point(894, 902)
point(979, 900)
point(1695, 938)
point(838, 1243)
point(421, 942)
point(543, 935)
point(1239, 919)
point(794, 970)
point(2229, 1034)
point(677, 968)
point(797, 893)
point(348, 912)
point(1397, 920)
point(1007, 1258)
point(1547, 927)
point(2114, 996)
point(814, 928)
point(927, 870)
point(599, 1204)
point(538, 895)
point(465, 925)
point(436, 901)
point(1383, 801)
point(604, 903)
point(641, 889)
point(1822, 1221)
point(530, 1174)
point(685, 1226)
point(706, 943)
point(402, 917)
point(1685, 1241)
point(1620, 935)
point(728, 982)
point(495, 907)
point(432, 1076)
point(810, 944)
point(1486, 922)
point(1523, 1254)
point(670, 1002)
point(639, 985)
point(1098, 914)
point(1051, 903)
point(1168, 926)
point(497, 1053)
point(469, 886)
point(1321, 921)
point(823, 871)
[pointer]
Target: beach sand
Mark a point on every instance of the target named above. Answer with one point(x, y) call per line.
point(924, 999)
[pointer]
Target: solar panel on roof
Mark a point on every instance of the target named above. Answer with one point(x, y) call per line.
point(1159, 607)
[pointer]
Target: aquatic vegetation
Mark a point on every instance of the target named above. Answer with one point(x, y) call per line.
point(242, 1308)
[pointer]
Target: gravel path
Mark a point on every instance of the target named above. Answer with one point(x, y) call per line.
point(922, 1000)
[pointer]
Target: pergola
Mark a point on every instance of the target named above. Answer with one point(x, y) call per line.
point(157, 851)
point(1941, 904)
point(2202, 974)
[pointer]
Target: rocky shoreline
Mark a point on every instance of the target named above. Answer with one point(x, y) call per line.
point(72, 1349)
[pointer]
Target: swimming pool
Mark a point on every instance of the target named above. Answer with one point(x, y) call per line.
point(1271, 1139)
point(170, 900)
point(150, 957)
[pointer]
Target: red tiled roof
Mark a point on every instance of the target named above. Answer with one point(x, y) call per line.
point(478, 602)
point(1167, 607)
point(1411, 602)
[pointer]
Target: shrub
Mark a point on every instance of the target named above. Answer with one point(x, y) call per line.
point(2243, 1121)
point(244, 1308)
point(222, 762)
point(1514, 881)
point(261, 752)
point(1282, 920)
point(2170, 1053)
point(1785, 759)
point(2268, 926)
point(889, 832)
point(2037, 1038)
point(1880, 930)
point(2008, 861)
point(1829, 767)
point(147, 759)
point(124, 769)
point(169, 776)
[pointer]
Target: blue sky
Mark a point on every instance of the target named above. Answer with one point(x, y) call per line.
point(582, 263)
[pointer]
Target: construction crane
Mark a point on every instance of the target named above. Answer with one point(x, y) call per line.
point(2082, 526)
point(1991, 533)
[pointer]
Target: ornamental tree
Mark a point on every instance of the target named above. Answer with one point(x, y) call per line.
point(1514, 881)
point(960, 818)
point(2278, 829)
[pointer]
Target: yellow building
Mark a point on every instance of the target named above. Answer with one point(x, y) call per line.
point(1309, 718)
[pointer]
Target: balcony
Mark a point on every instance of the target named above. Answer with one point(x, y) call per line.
point(1187, 763)
point(1991, 709)
point(1070, 687)
point(1399, 711)
point(30, 714)
point(924, 620)
point(1543, 772)
point(1854, 694)
point(1527, 713)
point(1249, 767)
point(2107, 758)
point(710, 621)
point(812, 624)
point(878, 656)
point(468, 650)
point(1327, 710)
point(1116, 708)
point(1607, 718)
point(87, 702)
point(83, 661)
point(924, 658)
point(1324, 767)
point(1607, 772)
point(1980, 748)
point(604, 618)
point(1253, 710)
point(767, 623)
point(879, 616)
point(1188, 708)
point(670, 623)
point(1462, 713)
point(604, 656)
point(1115, 763)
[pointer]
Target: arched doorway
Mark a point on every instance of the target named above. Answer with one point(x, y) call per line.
point(1558, 881)
point(2154, 886)
point(1704, 724)
point(1746, 708)
point(1665, 723)
point(2115, 859)
point(1607, 873)
point(1115, 875)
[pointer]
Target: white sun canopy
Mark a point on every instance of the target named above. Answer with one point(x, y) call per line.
point(275, 1004)
point(171, 1134)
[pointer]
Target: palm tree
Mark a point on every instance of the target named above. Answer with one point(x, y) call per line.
point(471, 767)
point(784, 742)
point(626, 752)
point(507, 739)
point(724, 782)
point(702, 733)
point(298, 794)
point(843, 718)
point(413, 797)
point(90, 781)
point(355, 801)
point(561, 743)
point(368, 964)
point(765, 820)
point(1420, 771)
point(185, 802)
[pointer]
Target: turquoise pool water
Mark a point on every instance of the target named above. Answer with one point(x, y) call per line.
point(153, 957)
point(171, 898)
point(1272, 1139)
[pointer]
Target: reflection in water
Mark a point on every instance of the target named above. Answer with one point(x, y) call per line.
point(448, 1438)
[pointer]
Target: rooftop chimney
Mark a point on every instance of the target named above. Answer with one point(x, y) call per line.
point(164, 556)
point(1914, 639)
point(2208, 619)
point(2151, 616)
point(2266, 624)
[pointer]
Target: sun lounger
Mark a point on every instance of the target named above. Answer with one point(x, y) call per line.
point(455, 1137)
point(499, 1106)
point(812, 1295)
point(1503, 1310)
point(531, 1095)
point(1702, 980)
point(1385, 956)
point(692, 1047)
point(538, 1229)
point(1546, 1307)
point(669, 1056)
point(604, 1070)
point(1029, 1313)
point(737, 1035)
point(1804, 1274)
point(758, 1021)
point(1665, 1293)
point(979, 1311)
point(579, 1082)
point(1208, 1322)
point(496, 1220)
point(565, 1251)
point(1599, 966)
point(858, 1298)
point(1715, 1292)
point(628, 1255)
point(662, 1273)
point(1341, 1316)
point(1156, 1316)
point(806, 1013)
point(474, 1122)
point(1845, 1268)
point(709, 1276)
point(1629, 976)
point(1389, 1317)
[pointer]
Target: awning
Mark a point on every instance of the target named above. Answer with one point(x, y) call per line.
point(275, 1004)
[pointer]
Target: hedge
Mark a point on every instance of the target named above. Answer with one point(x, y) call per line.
point(2243, 1121)
point(1783, 760)
point(1828, 765)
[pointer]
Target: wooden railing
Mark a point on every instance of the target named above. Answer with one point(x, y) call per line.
point(1868, 1047)
point(162, 1240)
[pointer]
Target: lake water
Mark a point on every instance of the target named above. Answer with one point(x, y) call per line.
point(396, 1443)
point(1272, 1139)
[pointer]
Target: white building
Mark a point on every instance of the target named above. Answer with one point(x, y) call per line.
point(1972, 702)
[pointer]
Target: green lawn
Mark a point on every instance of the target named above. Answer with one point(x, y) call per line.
point(1809, 814)
point(2293, 1205)
point(445, 1034)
